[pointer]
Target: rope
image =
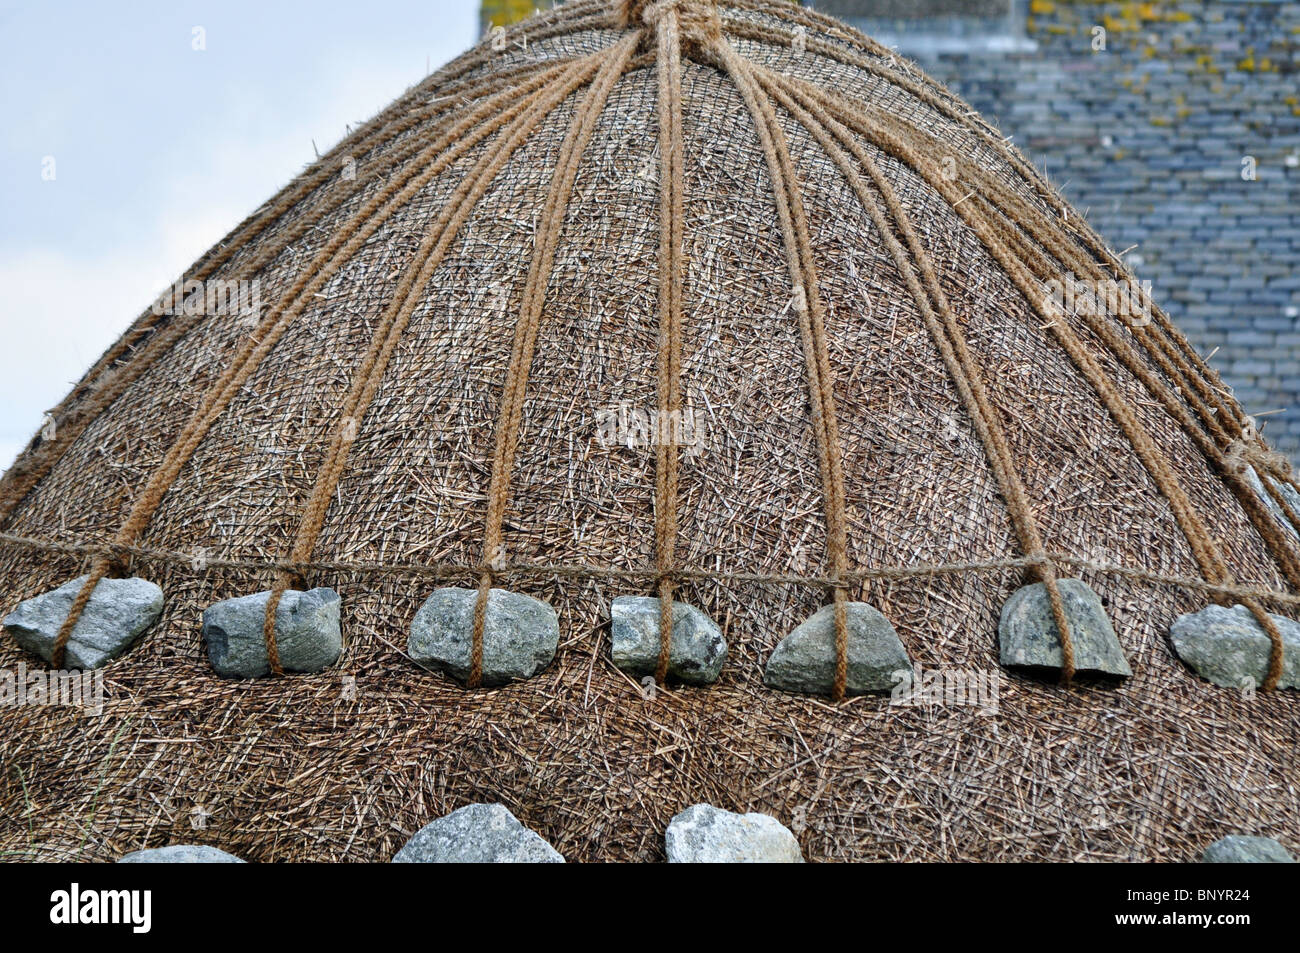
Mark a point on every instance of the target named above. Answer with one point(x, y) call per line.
point(944, 331)
point(99, 568)
point(696, 23)
point(808, 304)
point(580, 130)
point(448, 570)
point(671, 224)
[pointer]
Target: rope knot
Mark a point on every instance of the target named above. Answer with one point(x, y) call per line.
point(116, 559)
point(698, 23)
point(1266, 461)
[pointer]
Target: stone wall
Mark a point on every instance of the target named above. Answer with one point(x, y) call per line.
point(1157, 137)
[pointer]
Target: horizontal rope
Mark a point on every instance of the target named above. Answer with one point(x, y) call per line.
point(649, 574)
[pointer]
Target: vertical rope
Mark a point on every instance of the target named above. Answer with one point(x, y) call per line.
point(808, 304)
point(944, 331)
point(575, 142)
point(98, 568)
point(671, 223)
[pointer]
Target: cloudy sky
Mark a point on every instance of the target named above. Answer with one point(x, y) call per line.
point(126, 152)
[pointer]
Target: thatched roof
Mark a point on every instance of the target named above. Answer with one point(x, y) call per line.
point(747, 214)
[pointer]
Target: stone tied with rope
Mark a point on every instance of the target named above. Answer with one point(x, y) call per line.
point(915, 461)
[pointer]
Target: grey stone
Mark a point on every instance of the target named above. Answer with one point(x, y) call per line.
point(180, 854)
point(118, 611)
point(520, 634)
point(1239, 849)
point(477, 834)
point(697, 651)
point(804, 661)
point(1285, 490)
point(1027, 633)
point(1230, 648)
point(703, 834)
point(307, 635)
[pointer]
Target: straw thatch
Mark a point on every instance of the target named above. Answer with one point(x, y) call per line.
point(844, 292)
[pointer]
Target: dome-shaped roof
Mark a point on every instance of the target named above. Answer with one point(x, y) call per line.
point(726, 302)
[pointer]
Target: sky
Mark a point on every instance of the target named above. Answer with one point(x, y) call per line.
point(136, 135)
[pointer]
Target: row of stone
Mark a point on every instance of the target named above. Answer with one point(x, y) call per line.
point(701, 834)
point(520, 636)
point(490, 834)
point(521, 633)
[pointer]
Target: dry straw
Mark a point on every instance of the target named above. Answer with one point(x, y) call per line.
point(837, 267)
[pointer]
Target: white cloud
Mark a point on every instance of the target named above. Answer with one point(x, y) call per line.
point(60, 315)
